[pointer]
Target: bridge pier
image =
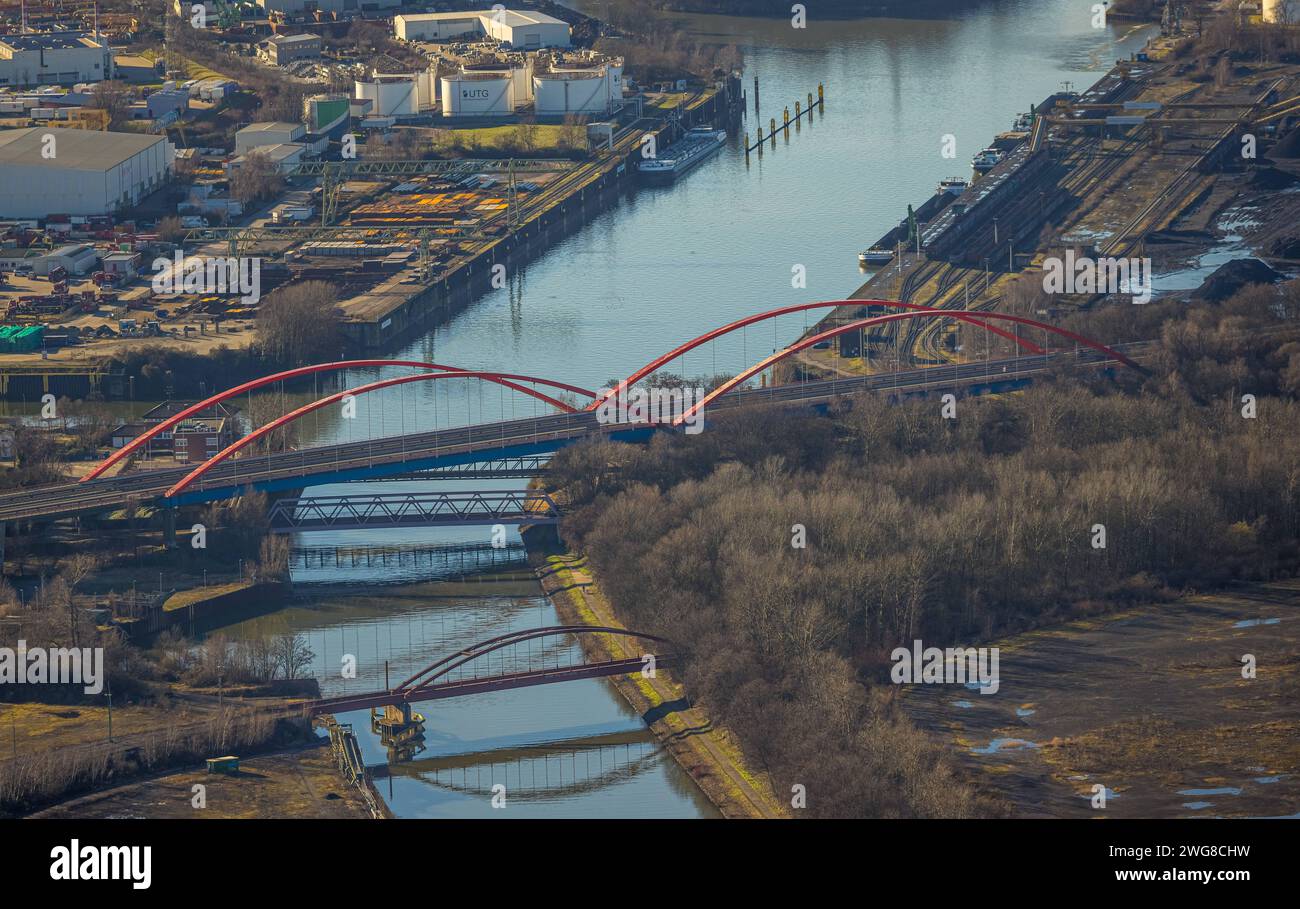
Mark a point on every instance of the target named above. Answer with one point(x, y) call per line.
point(169, 528)
point(400, 730)
point(3, 528)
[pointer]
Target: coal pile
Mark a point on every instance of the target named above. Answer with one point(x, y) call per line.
point(1284, 248)
point(1270, 179)
point(1233, 276)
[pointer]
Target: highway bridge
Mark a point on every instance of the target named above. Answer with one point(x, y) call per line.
point(518, 442)
point(511, 439)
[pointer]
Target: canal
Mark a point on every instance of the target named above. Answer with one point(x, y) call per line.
point(663, 266)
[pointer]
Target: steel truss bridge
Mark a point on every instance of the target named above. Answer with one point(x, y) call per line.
point(412, 509)
point(486, 469)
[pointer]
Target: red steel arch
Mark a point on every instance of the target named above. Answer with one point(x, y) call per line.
point(962, 315)
point(878, 320)
point(275, 424)
point(140, 440)
point(429, 674)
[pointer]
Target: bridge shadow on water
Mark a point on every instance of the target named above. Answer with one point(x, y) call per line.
point(538, 771)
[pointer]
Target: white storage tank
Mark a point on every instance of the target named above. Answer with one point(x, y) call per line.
point(390, 96)
point(467, 95)
point(582, 91)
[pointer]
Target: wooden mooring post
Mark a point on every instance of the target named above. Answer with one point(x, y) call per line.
point(788, 121)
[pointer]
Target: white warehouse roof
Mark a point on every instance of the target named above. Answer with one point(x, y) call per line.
point(74, 149)
point(520, 29)
point(80, 172)
point(512, 18)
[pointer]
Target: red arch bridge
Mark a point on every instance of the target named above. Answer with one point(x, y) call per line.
point(518, 659)
point(580, 414)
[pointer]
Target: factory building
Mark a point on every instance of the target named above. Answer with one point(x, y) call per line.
point(284, 49)
point(528, 30)
point(91, 172)
point(279, 154)
point(255, 135)
point(53, 59)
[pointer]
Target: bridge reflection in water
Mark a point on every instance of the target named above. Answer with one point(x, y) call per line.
point(540, 772)
point(431, 560)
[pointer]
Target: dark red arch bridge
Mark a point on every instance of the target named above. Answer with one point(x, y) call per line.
point(580, 414)
point(518, 659)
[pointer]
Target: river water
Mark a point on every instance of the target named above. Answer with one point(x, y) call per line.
point(664, 265)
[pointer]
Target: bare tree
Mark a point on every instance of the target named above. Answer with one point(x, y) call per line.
point(257, 177)
point(300, 323)
point(291, 654)
point(114, 98)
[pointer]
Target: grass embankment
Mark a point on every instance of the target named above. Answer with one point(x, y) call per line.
point(195, 595)
point(707, 752)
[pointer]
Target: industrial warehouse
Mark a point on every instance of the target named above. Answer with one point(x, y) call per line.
point(52, 59)
point(78, 172)
point(518, 30)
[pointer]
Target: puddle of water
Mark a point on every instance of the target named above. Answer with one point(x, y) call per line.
point(1191, 278)
point(1222, 790)
point(1268, 779)
point(1025, 711)
point(964, 705)
point(997, 745)
point(1085, 235)
point(1251, 623)
point(1197, 806)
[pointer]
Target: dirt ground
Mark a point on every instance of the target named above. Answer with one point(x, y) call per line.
point(1150, 703)
point(296, 784)
point(28, 728)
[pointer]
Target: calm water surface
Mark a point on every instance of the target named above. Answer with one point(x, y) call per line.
point(661, 267)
